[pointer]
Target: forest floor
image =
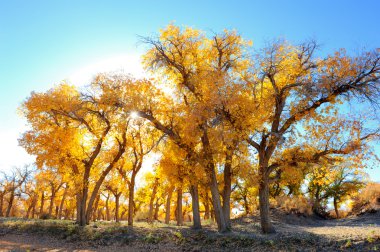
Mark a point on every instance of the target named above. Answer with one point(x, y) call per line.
point(294, 233)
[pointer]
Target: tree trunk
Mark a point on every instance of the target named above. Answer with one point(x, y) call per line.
point(317, 209)
point(168, 199)
point(227, 187)
point(117, 206)
point(10, 204)
point(195, 205)
point(82, 207)
point(34, 207)
point(179, 207)
point(246, 205)
point(150, 214)
point(1, 203)
point(266, 224)
point(42, 204)
point(156, 209)
point(336, 208)
point(99, 182)
point(213, 183)
point(99, 214)
point(131, 199)
point(95, 210)
point(51, 202)
point(62, 202)
point(108, 216)
point(28, 211)
point(207, 206)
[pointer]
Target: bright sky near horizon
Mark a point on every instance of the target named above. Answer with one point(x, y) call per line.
point(45, 42)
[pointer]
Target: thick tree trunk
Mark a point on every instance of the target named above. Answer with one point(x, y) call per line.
point(213, 183)
point(117, 206)
point(218, 211)
point(28, 211)
point(179, 216)
point(151, 202)
point(42, 204)
point(227, 188)
point(246, 205)
point(62, 202)
point(10, 204)
point(131, 199)
point(212, 214)
point(95, 210)
point(99, 214)
point(156, 209)
point(195, 204)
point(207, 207)
point(1, 203)
point(168, 201)
point(317, 208)
point(34, 208)
point(336, 208)
point(266, 224)
point(52, 197)
point(82, 208)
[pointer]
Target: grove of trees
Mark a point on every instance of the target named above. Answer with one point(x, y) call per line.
point(235, 129)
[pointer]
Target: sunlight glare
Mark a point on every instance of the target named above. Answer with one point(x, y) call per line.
point(134, 114)
point(124, 63)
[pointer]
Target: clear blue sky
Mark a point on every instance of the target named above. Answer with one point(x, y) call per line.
point(44, 42)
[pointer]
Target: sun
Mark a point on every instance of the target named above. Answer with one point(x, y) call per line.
point(134, 114)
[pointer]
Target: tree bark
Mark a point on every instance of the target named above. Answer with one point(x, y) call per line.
point(151, 202)
point(34, 207)
point(336, 208)
point(52, 197)
point(207, 206)
point(131, 199)
point(266, 224)
point(168, 201)
point(10, 203)
point(95, 210)
point(62, 202)
point(195, 205)
point(117, 206)
point(108, 216)
point(213, 183)
point(82, 207)
point(227, 187)
point(42, 204)
point(179, 207)
point(246, 205)
point(156, 209)
point(1, 203)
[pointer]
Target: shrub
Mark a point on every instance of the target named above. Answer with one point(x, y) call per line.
point(367, 200)
point(294, 204)
point(45, 216)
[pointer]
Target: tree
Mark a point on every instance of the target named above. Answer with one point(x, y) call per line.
point(292, 86)
point(77, 132)
point(143, 139)
point(13, 183)
point(202, 73)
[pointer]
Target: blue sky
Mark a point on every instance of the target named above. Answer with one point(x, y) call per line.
point(44, 42)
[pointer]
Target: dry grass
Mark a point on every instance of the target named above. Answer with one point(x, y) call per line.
point(295, 232)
